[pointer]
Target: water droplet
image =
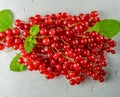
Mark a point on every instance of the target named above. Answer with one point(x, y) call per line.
point(93, 90)
point(25, 9)
point(118, 74)
point(34, 0)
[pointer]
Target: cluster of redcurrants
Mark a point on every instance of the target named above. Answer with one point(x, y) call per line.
point(64, 46)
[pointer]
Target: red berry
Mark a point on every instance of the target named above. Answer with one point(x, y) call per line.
point(9, 38)
point(16, 46)
point(77, 80)
point(94, 13)
point(1, 46)
point(48, 21)
point(38, 17)
point(25, 33)
point(2, 35)
point(101, 80)
point(16, 31)
point(43, 31)
point(18, 22)
point(9, 32)
point(27, 26)
point(46, 41)
point(52, 32)
point(17, 40)
point(20, 60)
point(76, 66)
point(72, 82)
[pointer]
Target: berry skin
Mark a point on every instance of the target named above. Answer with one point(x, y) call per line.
point(9, 38)
point(49, 76)
point(8, 44)
point(59, 67)
point(101, 80)
point(38, 17)
point(48, 21)
point(19, 23)
point(16, 46)
point(1, 46)
point(30, 67)
point(20, 60)
point(94, 13)
point(76, 66)
point(46, 41)
point(72, 82)
point(52, 32)
point(16, 31)
point(25, 33)
point(43, 31)
point(2, 35)
point(77, 80)
point(17, 40)
point(9, 32)
point(78, 27)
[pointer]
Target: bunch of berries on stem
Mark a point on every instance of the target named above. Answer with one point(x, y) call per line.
point(64, 46)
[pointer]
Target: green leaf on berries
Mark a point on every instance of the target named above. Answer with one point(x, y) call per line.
point(32, 39)
point(107, 27)
point(34, 30)
point(6, 20)
point(29, 44)
point(16, 66)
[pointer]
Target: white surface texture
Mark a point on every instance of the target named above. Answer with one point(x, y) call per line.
point(33, 84)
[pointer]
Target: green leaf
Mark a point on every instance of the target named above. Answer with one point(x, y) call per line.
point(6, 20)
point(96, 27)
point(32, 39)
point(16, 66)
point(107, 27)
point(28, 45)
point(34, 30)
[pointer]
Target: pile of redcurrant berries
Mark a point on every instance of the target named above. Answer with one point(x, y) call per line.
point(64, 46)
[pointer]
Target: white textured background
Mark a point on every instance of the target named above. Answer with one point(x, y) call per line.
point(33, 84)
